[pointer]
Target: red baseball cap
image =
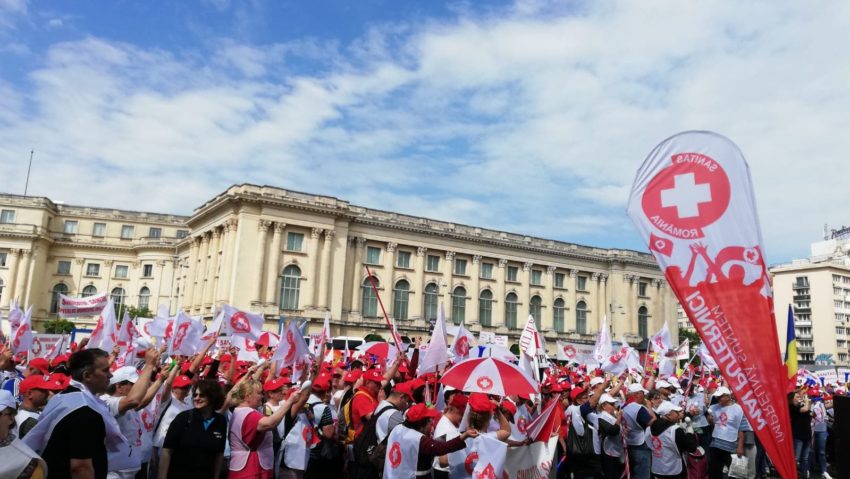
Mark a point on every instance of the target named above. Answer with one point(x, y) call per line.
point(509, 406)
point(38, 381)
point(479, 402)
point(275, 384)
point(352, 376)
point(459, 402)
point(41, 364)
point(576, 392)
point(404, 388)
point(418, 412)
point(373, 375)
point(62, 358)
point(182, 381)
point(322, 383)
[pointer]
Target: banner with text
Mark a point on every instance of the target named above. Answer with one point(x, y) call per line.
point(693, 203)
point(534, 461)
point(75, 307)
point(576, 352)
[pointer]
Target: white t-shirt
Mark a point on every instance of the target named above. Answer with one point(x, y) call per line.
point(22, 416)
point(130, 424)
point(446, 431)
point(382, 425)
point(174, 408)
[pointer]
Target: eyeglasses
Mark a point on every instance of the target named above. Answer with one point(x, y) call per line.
point(198, 395)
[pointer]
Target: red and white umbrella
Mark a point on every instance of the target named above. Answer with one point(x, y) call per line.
point(379, 349)
point(268, 339)
point(489, 376)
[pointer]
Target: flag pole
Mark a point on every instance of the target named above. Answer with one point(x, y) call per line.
point(393, 332)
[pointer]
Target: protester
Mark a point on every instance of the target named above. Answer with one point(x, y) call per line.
point(411, 449)
point(669, 441)
point(637, 418)
point(800, 407)
point(447, 429)
point(250, 434)
point(820, 405)
point(610, 433)
point(76, 428)
point(727, 436)
point(194, 444)
point(35, 390)
point(17, 460)
point(326, 459)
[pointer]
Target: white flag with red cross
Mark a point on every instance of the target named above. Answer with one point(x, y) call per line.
point(241, 323)
point(464, 342)
point(660, 341)
point(292, 350)
point(105, 334)
point(128, 337)
point(186, 338)
point(22, 334)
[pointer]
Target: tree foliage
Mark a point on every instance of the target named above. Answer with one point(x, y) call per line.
point(58, 326)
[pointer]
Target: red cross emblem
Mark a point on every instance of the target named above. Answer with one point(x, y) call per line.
point(394, 455)
point(569, 351)
point(487, 473)
point(656, 446)
point(484, 383)
point(521, 424)
point(462, 346)
point(239, 323)
point(723, 419)
point(685, 197)
point(180, 335)
point(36, 347)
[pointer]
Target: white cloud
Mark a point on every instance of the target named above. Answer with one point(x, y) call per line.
point(533, 120)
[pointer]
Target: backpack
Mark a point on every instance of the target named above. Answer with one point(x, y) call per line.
point(367, 450)
point(345, 428)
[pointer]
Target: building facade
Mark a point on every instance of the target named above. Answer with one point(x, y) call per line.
point(818, 289)
point(281, 252)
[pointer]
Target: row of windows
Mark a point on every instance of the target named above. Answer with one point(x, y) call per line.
point(98, 229)
point(837, 278)
point(432, 265)
point(118, 295)
point(93, 269)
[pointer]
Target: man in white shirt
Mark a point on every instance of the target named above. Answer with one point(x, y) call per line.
point(400, 398)
point(727, 438)
point(446, 430)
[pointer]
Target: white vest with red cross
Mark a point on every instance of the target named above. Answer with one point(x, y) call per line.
point(402, 453)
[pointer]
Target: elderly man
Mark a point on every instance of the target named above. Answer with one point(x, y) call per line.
point(728, 435)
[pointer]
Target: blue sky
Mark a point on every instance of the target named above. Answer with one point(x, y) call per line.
point(525, 116)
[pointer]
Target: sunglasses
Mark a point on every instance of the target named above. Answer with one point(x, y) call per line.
point(199, 395)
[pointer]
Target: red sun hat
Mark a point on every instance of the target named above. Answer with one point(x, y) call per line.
point(419, 412)
point(479, 402)
point(459, 402)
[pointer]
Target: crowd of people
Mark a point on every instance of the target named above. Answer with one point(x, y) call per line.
point(213, 416)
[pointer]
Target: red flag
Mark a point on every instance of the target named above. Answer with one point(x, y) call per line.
point(662, 245)
point(544, 425)
point(695, 189)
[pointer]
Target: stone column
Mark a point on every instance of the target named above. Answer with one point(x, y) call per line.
point(524, 295)
point(595, 319)
point(601, 303)
point(213, 266)
point(447, 278)
point(631, 313)
point(499, 304)
point(201, 276)
point(156, 291)
point(189, 288)
point(13, 277)
point(359, 273)
point(273, 271)
point(548, 311)
point(389, 284)
point(325, 277)
point(23, 276)
point(312, 273)
point(570, 314)
point(417, 299)
point(263, 227)
point(227, 255)
point(472, 294)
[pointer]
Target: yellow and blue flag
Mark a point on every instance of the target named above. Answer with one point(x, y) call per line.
point(791, 347)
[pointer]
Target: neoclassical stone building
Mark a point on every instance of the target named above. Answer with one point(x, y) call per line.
point(294, 254)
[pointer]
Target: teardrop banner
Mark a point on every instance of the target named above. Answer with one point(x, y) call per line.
point(692, 202)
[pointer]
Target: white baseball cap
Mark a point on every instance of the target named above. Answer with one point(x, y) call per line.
point(722, 391)
point(7, 400)
point(636, 388)
point(127, 373)
point(596, 380)
point(662, 384)
point(673, 380)
point(666, 407)
point(607, 398)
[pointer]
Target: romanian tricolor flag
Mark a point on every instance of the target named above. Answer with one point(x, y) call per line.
point(791, 348)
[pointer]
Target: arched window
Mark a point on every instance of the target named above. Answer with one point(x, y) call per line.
point(643, 322)
point(458, 305)
point(401, 298)
point(118, 296)
point(290, 287)
point(581, 317)
point(60, 288)
point(144, 297)
point(485, 308)
point(369, 300)
point(558, 315)
point(534, 308)
point(89, 290)
point(431, 299)
point(510, 310)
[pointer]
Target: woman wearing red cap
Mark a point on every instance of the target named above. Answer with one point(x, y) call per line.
point(411, 449)
point(481, 413)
